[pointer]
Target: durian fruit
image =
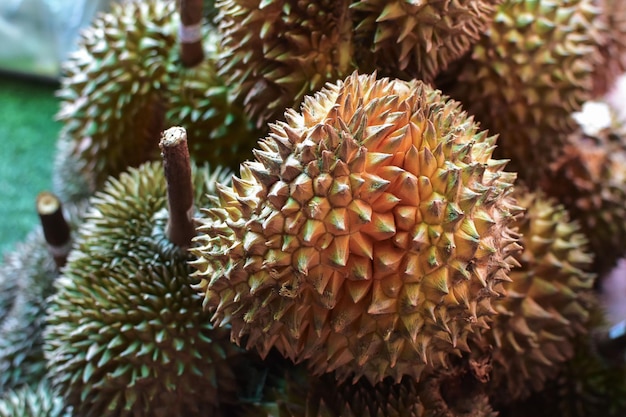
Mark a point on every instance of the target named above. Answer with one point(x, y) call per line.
point(217, 130)
point(420, 39)
point(275, 52)
point(587, 385)
point(112, 89)
point(125, 83)
point(531, 69)
point(589, 179)
point(294, 392)
point(32, 266)
point(126, 334)
point(547, 301)
point(33, 401)
point(369, 235)
point(613, 48)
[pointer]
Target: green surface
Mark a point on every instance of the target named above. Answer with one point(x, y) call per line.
point(27, 126)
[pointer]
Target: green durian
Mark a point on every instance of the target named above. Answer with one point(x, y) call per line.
point(126, 334)
point(218, 132)
point(368, 236)
point(546, 303)
point(275, 52)
point(419, 39)
point(37, 400)
point(32, 268)
point(529, 71)
point(125, 83)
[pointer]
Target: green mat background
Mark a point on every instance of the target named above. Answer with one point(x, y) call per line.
point(29, 132)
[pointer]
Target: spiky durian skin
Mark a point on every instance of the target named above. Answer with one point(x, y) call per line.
point(613, 47)
point(546, 304)
point(112, 89)
point(33, 401)
point(217, 131)
point(419, 39)
point(294, 392)
point(587, 385)
point(368, 236)
point(125, 84)
point(31, 266)
point(276, 52)
point(527, 74)
point(589, 178)
point(126, 334)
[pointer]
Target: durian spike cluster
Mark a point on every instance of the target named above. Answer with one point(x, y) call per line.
point(125, 84)
point(278, 51)
point(369, 235)
point(377, 235)
point(126, 336)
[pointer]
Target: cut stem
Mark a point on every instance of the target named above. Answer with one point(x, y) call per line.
point(190, 33)
point(180, 226)
point(56, 231)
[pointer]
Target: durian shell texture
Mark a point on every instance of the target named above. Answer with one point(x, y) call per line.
point(419, 39)
point(275, 52)
point(368, 236)
point(126, 334)
point(589, 179)
point(33, 270)
point(37, 400)
point(125, 84)
point(531, 69)
point(546, 303)
point(613, 48)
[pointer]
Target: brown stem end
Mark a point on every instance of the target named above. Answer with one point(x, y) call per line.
point(177, 167)
point(56, 230)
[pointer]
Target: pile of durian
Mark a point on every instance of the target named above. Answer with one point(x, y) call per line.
point(328, 208)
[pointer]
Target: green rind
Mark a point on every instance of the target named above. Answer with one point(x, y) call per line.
point(126, 334)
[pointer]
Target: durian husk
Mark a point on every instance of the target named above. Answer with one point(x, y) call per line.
point(419, 39)
point(112, 89)
point(587, 385)
point(218, 132)
point(275, 52)
point(368, 236)
point(613, 47)
point(293, 392)
point(125, 83)
point(37, 400)
point(32, 268)
point(546, 304)
point(126, 334)
point(589, 179)
point(529, 71)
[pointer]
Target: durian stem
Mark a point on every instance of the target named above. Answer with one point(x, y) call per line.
point(56, 231)
point(190, 38)
point(180, 226)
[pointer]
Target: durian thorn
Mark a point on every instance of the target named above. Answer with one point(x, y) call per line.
point(177, 167)
point(191, 50)
point(56, 231)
